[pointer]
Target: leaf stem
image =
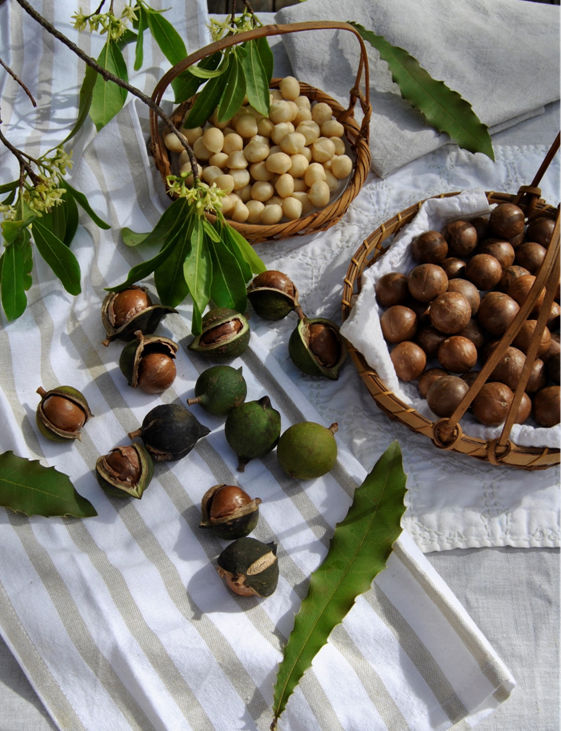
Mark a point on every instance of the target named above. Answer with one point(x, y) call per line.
point(108, 76)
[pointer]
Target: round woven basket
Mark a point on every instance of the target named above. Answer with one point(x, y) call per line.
point(356, 136)
point(447, 433)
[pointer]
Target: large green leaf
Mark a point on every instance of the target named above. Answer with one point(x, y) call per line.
point(359, 550)
point(82, 201)
point(186, 84)
point(256, 79)
point(168, 39)
point(28, 487)
point(168, 276)
point(197, 271)
point(58, 256)
point(15, 275)
point(141, 24)
point(62, 220)
point(235, 238)
point(228, 284)
point(108, 98)
point(443, 108)
point(165, 233)
point(207, 99)
point(84, 101)
point(233, 91)
point(266, 55)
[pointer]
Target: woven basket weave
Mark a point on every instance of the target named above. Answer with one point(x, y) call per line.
point(448, 433)
point(356, 136)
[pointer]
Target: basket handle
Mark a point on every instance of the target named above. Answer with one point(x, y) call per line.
point(270, 30)
point(532, 192)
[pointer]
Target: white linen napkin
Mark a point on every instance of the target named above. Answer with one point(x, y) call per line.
point(501, 55)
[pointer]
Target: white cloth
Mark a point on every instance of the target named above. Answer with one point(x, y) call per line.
point(120, 621)
point(468, 45)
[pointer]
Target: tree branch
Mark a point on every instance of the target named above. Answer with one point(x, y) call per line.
point(17, 79)
point(108, 76)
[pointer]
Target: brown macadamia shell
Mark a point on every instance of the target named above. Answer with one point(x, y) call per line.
point(427, 281)
point(409, 360)
point(450, 312)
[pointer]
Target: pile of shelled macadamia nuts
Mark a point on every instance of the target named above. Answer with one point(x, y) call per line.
point(272, 168)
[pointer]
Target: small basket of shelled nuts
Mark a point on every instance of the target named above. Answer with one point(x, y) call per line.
point(292, 172)
point(465, 323)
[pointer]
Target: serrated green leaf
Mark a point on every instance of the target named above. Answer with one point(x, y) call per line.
point(233, 91)
point(84, 101)
point(228, 284)
point(443, 108)
point(28, 487)
point(256, 79)
point(108, 98)
point(197, 271)
point(207, 100)
point(246, 249)
point(58, 256)
point(168, 276)
point(82, 201)
point(15, 275)
point(358, 551)
point(266, 56)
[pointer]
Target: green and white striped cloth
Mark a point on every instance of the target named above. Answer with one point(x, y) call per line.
point(120, 621)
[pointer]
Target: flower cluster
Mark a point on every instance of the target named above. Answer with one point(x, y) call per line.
point(202, 196)
point(219, 29)
point(42, 191)
point(107, 23)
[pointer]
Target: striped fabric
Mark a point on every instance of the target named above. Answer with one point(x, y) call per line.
point(121, 621)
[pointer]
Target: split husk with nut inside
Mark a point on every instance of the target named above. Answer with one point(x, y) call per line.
point(249, 567)
point(317, 348)
point(224, 336)
point(62, 412)
point(125, 470)
point(229, 511)
point(148, 362)
point(272, 295)
point(131, 309)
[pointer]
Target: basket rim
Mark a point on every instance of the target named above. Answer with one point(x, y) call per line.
point(368, 252)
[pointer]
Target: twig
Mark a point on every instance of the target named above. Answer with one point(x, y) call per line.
point(24, 165)
point(108, 76)
point(17, 78)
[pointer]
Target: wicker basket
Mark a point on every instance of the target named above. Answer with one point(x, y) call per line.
point(447, 433)
point(356, 136)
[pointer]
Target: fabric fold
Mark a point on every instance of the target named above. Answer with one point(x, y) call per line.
point(466, 45)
